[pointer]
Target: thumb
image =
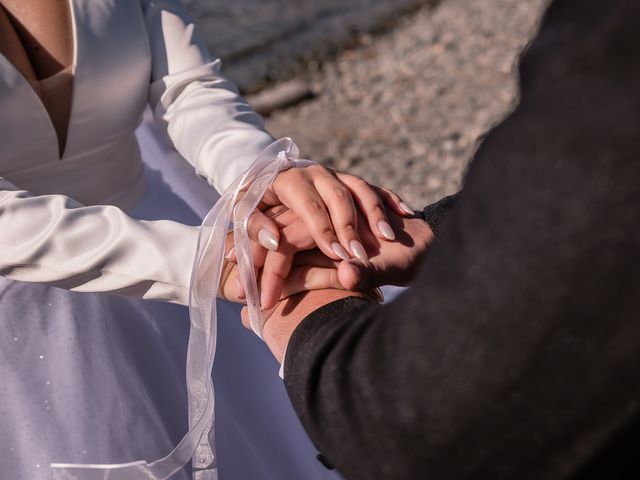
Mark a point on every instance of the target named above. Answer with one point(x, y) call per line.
point(263, 230)
point(356, 275)
point(265, 315)
point(244, 314)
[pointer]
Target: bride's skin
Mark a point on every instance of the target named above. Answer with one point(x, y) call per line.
point(315, 281)
point(306, 268)
point(37, 37)
point(42, 44)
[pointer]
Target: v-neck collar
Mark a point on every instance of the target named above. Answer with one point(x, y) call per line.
point(52, 130)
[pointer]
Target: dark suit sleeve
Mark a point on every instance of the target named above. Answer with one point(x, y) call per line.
point(435, 213)
point(516, 354)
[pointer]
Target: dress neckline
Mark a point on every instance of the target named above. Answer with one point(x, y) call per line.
point(65, 71)
point(73, 67)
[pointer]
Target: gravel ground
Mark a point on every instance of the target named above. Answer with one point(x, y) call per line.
point(406, 109)
point(262, 41)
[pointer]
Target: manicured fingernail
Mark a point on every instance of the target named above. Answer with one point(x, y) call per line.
point(267, 239)
point(407, 209)
point(386, 230)
point(358, 250)
point(230, 253)
point(339, 251)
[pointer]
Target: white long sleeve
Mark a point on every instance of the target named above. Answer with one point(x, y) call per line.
point(47, 234)
point(209, 123)
point(55, 240)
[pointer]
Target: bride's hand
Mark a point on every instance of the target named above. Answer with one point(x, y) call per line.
point(301, 275)
point(298, 266)
point(327, 202)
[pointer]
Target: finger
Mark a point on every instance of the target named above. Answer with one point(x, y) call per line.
point(241, 294)
point(357, 276)
point(258, 254)
point(277, 265)
point(244, 314)
point(393, 200)
point(276, 212)
point(302, 279)
point(246, 322)
point(342, 209)
point(302, 197)
point(263, 230)
point(314, 258)
point(371, 205)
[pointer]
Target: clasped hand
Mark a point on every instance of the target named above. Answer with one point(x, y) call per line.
point(317, 229)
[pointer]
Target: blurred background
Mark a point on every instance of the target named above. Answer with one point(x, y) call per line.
point(396, 91)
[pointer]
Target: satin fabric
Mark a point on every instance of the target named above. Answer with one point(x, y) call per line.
point(127, 54)
point(93, 378)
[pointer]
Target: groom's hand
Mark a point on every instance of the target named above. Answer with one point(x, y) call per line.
point(287, 314)
point(390, 263)
point(301, 275)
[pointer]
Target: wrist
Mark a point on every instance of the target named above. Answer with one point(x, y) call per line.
point(289, 312)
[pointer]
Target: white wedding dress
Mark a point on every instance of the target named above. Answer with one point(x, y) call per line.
point(88, 376)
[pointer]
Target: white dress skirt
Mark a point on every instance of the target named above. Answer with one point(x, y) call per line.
point(96, 378)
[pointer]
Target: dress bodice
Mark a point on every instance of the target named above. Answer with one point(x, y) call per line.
point(100, 162)
point(55, 93)
point(58, 218)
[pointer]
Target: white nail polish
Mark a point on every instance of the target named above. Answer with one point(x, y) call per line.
point(358, 250)
point(267, 239)
point(339, 251)
point(230, 253)
point(386, 230)
point(406, 208)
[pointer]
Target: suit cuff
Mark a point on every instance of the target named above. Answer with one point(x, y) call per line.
point(317, 331)
point(436, 212)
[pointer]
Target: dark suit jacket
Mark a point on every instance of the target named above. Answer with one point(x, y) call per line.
point(516, 354)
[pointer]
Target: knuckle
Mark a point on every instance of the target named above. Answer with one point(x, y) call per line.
point(326, 231)
point(342, 195)
point(308, 280)
point(333, 277)
point(278, 276)
point(348, 229)
point(321, 171)
point(275, 211)
point(315, 206)
point(317, 167)
point(291, 172)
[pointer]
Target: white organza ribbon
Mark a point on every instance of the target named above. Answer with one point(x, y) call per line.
point(198, 444)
